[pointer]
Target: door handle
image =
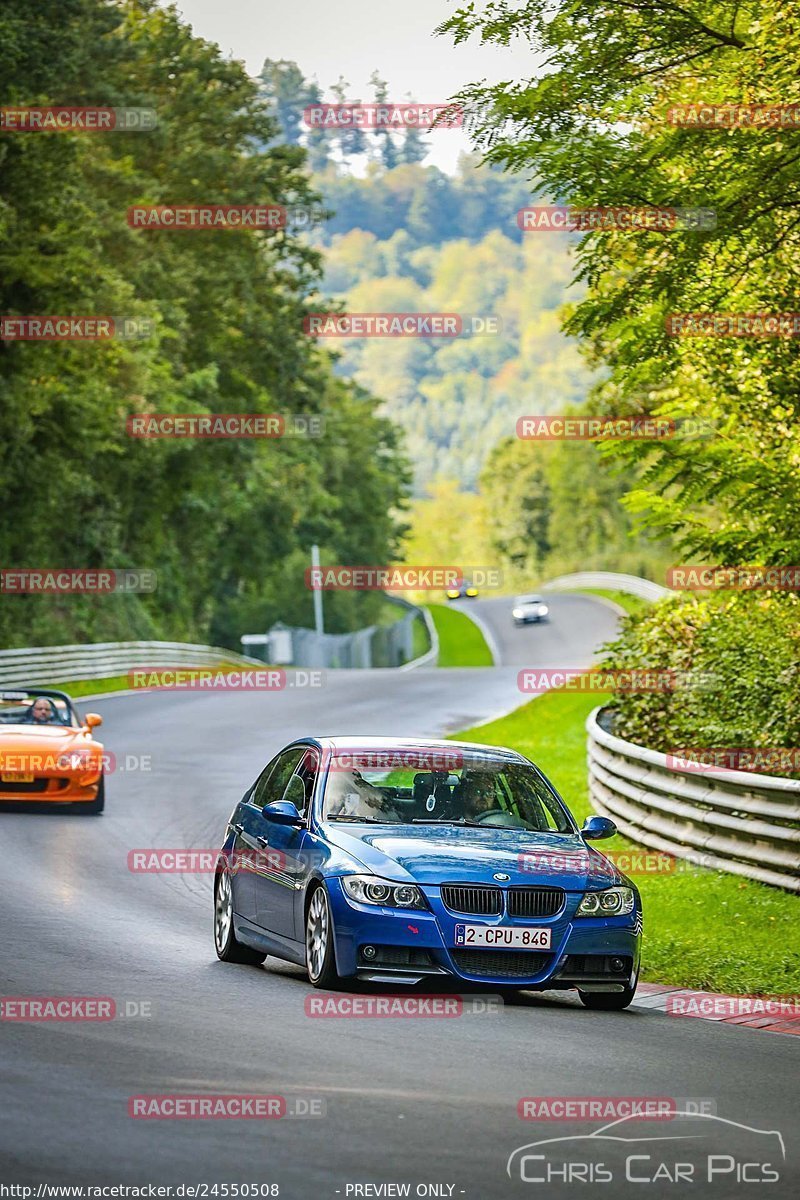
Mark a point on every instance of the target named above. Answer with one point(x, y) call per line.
point(262, 841)
point(237, 828)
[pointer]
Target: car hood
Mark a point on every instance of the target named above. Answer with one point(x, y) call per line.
point(449, 854)
point(47, 739)
point(39, 733)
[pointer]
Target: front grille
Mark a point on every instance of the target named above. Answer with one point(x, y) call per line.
point(478, 901)
point(502, 964)
point(534, 901)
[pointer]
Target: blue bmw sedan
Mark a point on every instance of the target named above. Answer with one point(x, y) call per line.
point(399, 861)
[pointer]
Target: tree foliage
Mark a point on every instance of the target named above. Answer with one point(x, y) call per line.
point(226, 524)
point(593, 128)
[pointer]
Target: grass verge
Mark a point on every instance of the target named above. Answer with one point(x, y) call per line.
point(421, 641)
point(633, 605)
point(702, 929)
point(461, 643)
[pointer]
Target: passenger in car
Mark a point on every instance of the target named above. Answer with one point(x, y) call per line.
point(348, 794)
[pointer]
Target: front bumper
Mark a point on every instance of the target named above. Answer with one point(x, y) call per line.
point(51, 789)
point(414, 944)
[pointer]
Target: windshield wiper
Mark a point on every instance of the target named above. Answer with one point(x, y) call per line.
point(469, 824)
point(350, 817)
point(450, 821)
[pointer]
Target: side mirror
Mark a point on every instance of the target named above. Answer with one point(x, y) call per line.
point(282, 812)
point(596, 828)
point(92, 720)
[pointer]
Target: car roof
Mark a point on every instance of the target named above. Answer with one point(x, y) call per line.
point(529, 598)
point(351, 742)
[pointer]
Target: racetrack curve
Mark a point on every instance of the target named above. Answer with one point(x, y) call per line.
point(407, 1100)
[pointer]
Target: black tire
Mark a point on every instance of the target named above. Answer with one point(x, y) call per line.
point(93, 807)
point(226, 944)
point(320, 956)
point(608, 1001)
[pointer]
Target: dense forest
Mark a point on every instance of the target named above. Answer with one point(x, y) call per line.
point(227, 525)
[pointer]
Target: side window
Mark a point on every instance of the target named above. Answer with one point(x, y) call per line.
point(260, 784)
point(307, 773)
point(273, 782)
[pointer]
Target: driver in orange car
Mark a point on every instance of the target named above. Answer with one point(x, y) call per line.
point(42, 712)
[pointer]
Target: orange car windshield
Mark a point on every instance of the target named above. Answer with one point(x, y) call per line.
point(18, 708)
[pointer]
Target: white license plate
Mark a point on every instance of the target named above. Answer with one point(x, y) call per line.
point(517, 937)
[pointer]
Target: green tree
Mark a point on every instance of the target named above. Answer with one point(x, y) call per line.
point(220, 521)
point(350, 139)
point(383, 139)
point(595, 128)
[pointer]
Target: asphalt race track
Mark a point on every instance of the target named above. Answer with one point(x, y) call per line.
point(418, 1101)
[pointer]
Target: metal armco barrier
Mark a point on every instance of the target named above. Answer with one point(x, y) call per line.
point(737, 821)
point(645, 588)
point(99, 660)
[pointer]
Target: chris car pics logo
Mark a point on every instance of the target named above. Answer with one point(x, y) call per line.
point(693, 1147)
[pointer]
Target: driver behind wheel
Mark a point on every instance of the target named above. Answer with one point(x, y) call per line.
point(477, 793)
point(41, 712)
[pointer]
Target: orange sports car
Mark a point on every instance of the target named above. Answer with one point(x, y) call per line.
point(47, 754)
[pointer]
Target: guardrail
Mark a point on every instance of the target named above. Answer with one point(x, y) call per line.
point(431, 657)
point(644, 588)
point(98, 660)
point(737, 821)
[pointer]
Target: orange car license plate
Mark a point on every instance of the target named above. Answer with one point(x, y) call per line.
point(15, 777)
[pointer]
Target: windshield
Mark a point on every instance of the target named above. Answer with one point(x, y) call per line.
point(479, 791)
point(26, 708)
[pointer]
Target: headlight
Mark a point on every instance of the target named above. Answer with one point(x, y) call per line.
point(366, 889)
point(612, 902)
point(519, 613)
point(543, 610)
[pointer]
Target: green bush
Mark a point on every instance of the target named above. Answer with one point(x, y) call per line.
point(742, 651)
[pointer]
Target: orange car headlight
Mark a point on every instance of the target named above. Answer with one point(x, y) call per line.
point(78, 760)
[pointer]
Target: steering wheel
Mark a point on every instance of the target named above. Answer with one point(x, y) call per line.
point(486, 818)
